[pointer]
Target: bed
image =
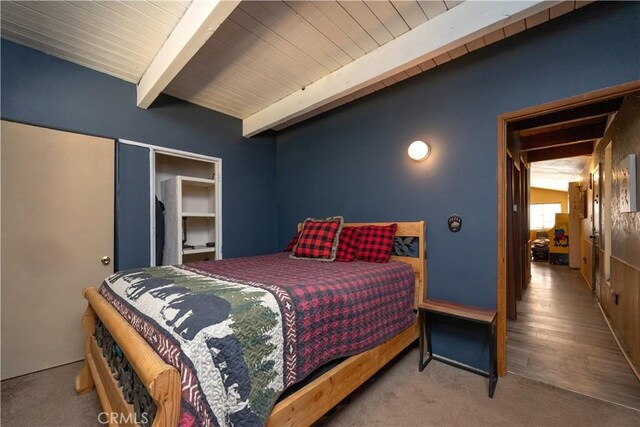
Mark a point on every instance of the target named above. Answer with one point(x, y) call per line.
point(131, 361)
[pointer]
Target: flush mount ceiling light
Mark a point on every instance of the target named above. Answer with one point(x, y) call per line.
point(419, 150)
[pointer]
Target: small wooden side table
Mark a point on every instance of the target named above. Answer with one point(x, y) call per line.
point(430, 307)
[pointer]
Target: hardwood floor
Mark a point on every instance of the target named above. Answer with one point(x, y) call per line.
point(562, 339)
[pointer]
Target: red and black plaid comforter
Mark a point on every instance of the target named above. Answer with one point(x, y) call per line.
point(330, 310)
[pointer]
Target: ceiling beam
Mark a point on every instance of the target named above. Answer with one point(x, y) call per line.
point(572, 150)
point(586, 132)
point(590, 110)
point(196, 26)
point(452, 29)
point(564, 125)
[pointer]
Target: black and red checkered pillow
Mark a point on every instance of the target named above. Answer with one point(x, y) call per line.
point(348, 244)
point(376, 242)
point(319, 239)
point(293, 242)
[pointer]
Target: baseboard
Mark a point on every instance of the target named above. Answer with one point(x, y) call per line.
point(615, 337)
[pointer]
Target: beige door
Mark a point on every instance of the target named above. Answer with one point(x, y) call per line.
point(57, 223)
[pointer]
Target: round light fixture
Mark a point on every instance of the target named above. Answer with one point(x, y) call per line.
point(418, 150)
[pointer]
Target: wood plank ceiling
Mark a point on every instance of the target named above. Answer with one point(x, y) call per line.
point(263, 52)
point(119, 38)
point(558, 145)
point(568, 133)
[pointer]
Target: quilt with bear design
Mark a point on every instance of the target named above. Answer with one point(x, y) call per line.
point(242, 330)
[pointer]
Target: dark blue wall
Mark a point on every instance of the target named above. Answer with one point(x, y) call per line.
point(353, 161)
point(132, 226)
point(42, 90)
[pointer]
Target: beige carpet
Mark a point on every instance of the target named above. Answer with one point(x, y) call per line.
point(398, 396)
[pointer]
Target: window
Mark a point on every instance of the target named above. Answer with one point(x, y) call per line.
point(542, 216)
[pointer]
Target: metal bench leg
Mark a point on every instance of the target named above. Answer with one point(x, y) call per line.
point(493, 363)
point(425, 335)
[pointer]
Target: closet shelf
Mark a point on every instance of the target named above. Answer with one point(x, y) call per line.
point(198, 215)
point(198, 250)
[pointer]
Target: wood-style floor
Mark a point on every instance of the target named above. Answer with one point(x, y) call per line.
point(562, 339)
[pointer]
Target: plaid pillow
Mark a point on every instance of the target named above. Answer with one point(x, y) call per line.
point(293, 242)
point(319, 239)
point(348, 244)
point(376, 242)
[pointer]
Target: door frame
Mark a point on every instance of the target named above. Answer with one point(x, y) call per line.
point(596, 227)
point(503, 120)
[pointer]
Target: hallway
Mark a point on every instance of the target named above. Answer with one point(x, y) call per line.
point(561, 338)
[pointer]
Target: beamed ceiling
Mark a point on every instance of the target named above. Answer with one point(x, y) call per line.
point(268, 63)
point(558, 145)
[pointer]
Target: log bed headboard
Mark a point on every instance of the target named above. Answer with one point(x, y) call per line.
point(419, 264)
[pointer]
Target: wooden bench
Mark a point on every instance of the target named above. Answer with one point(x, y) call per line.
point(483, 316)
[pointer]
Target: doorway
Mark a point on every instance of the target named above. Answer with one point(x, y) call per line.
point(561, 337)
point(57, 239)
point(605, 99)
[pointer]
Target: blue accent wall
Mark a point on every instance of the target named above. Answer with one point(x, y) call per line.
point(353, 161)
point(46, 91)
point(132, 201)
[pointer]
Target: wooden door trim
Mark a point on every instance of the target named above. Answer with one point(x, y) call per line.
point(503, 120)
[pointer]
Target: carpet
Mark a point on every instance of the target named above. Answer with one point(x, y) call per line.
point(398, 395)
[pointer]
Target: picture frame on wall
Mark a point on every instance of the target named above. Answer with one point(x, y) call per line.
point(627, 180)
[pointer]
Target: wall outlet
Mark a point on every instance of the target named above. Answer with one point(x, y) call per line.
point(615, 296)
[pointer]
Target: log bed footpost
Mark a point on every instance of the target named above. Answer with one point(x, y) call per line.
point(84, 380)
point(161, 380)
point(165, 391)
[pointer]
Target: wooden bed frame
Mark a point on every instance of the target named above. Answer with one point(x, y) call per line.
point(162, 381)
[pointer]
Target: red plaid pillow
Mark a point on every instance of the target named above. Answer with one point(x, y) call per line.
point(293, 242)
point(348, 244)
point(376, 242)
point(319, 239)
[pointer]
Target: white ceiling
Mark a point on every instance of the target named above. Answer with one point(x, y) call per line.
point(254, 59)
point(116, 38)
point(266, 50)
point(557, 174)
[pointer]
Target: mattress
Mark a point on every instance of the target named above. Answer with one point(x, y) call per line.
point(240, 331)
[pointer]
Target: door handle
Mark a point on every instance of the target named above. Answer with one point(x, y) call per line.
point(105, 260)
